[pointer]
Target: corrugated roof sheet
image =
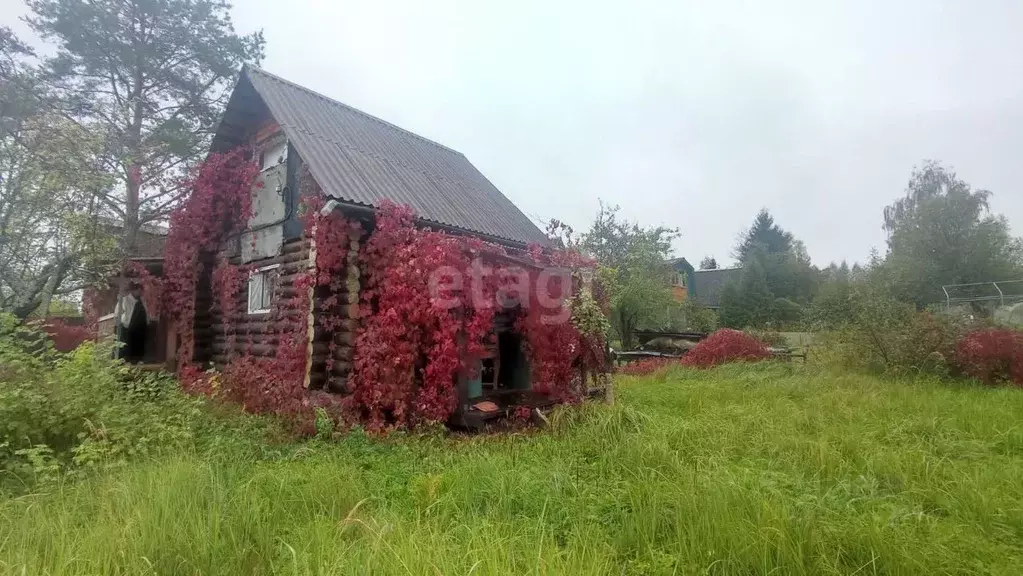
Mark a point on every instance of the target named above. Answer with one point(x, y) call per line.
point(361, 159)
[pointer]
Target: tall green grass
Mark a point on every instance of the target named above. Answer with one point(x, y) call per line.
point(739, 470)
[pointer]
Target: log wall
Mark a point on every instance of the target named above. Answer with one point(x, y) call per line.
point(250, 334)
point(334, 346)
point(217, 341)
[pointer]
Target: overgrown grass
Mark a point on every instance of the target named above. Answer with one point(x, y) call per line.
point(746, 469)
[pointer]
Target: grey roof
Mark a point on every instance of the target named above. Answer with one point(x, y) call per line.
point(705, 286)
point(360, 159)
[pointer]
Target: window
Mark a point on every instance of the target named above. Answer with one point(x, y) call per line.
point(274, 154)
point(261, 289)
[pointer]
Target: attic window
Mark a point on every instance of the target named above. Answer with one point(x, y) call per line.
point(274, 154)
point(261, 289)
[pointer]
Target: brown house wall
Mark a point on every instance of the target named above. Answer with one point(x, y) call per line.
point(258, 335)
point(252, 334)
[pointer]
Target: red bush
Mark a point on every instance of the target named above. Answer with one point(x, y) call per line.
point(993, 356)
point(726, 345)
point(65, 337)
point(646, 366)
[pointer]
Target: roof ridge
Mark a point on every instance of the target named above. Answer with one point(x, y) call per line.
point(297, 86)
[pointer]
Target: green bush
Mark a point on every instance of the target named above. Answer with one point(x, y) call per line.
point(882, 335)
point(76, 412)
point(688, 316)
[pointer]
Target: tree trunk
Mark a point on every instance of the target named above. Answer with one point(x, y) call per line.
point(55, 279)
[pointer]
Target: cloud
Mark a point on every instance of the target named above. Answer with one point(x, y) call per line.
point(689, 114)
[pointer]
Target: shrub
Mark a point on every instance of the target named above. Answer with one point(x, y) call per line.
point(81, 411)
point(882, 335)
point(726, 345)
point(688, 316)
point(993, 356)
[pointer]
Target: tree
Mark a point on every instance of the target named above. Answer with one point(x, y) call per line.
point(941, 232)
point(150, 78)
point(748, 303)
point(48, 177)
point(765, 234)
point(777, 281)
point(708, 263)
point(635, 259)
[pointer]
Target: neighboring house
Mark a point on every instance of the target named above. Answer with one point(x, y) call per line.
point(309, 145)
point(702, 286)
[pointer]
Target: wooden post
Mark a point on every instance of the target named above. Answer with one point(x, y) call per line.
point(171, 355)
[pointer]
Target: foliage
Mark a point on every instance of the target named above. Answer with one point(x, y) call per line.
point(941, 233)
point(150, 80)
point(834, 305)
point(218, 205)
point(421, 330)
point(993, 356)
point(408, 354)
point(723, 346)
point(708, 263)
point(881, 334)
point(638, 258)
point(750, 302)
point(764, 236)
point(688, 316)
point(1010, 316)
point(777, 280)
point(80, 412)
point(51, 241)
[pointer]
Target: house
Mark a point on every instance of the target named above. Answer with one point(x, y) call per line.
point(704, 287)
point(310, 147)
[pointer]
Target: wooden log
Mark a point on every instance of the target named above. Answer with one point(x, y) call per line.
point(344, 338)
point(337, 384)
point(244, 340)
point(317, 381)
point(341, 367)
point(344, 353)
point(343, 325)
point(245, 348)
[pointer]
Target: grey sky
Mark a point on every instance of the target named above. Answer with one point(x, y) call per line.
point(688, 114)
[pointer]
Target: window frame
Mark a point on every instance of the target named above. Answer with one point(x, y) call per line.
point(268, 148)
point(262, 271)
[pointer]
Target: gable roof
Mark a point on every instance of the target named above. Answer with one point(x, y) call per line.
point(681, 265)
point(362, 160)
point(705, 286)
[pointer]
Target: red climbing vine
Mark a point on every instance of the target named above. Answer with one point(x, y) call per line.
point(428, 306)
point(219, 204)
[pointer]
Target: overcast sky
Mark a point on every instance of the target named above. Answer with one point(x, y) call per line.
point(688, 114)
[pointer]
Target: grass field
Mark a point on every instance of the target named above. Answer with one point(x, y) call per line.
point(741, 470)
